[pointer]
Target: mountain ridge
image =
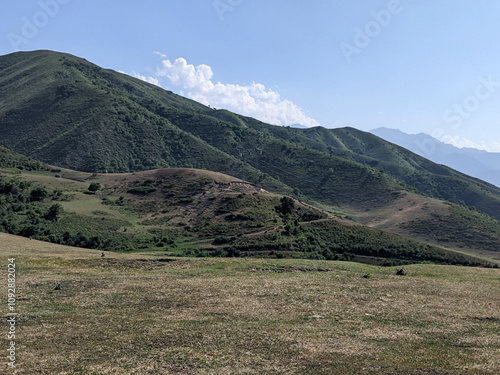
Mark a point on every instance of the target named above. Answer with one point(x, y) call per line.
point(477, 163)
point(68, 112)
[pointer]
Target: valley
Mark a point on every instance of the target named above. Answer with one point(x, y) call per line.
point(194, 188)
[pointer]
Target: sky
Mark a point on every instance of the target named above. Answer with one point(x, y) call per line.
point(414, 65)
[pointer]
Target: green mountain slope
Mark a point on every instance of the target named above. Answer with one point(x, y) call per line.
point(68, 112)
point(78, 115)
point(410, 169)
point(413, 170)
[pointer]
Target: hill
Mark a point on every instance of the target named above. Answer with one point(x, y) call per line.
point(416, 173)
point(68, 112)
point(190, 212)
point(79, 116)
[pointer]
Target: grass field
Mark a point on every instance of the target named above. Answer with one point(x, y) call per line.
point(147, 314)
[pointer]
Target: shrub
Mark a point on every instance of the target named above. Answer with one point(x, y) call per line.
point(142, 190)
point(54, 211)
point(287, 206)
point(401, 272)
point(38, 194)
point(94, 186)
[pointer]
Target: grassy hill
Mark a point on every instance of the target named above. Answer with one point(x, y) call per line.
point(144, 313)
point(182, 211)
point(68, 112)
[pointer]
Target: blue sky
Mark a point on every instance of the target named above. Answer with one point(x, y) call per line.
point(415, 65)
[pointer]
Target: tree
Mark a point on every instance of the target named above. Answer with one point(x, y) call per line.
point(38, 194)
point(287, 205)
point(54, 211)
point(94, 186)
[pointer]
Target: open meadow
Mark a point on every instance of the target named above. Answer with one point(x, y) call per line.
point(150, 314)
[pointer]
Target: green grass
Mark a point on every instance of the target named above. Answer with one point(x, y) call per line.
point(138, 314)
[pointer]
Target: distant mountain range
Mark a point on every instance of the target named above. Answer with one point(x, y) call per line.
point(70, 113)
point(477, 163)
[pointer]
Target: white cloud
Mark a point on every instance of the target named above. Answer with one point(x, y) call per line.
point(250, 100)
point(160, 54)
point(149, 79)
point(461, 142)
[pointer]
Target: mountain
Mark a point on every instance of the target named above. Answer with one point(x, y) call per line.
point(66, 111)
point(478, 163)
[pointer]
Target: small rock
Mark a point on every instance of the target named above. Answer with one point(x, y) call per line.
point(316, 317)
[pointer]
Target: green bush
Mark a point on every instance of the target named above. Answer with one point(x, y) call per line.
point(38, 194)
point(141, 190)
point(94, 186)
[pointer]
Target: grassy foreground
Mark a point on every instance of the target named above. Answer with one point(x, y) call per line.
point(144, 314)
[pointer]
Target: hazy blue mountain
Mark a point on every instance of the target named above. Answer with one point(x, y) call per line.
point(477, 163)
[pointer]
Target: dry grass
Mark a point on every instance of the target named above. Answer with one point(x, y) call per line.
point(137, 314)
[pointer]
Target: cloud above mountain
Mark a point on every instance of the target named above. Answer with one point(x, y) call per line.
point(254, 100)
point(148, 79)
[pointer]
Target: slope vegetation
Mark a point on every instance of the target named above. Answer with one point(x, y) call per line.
point(189, 212)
